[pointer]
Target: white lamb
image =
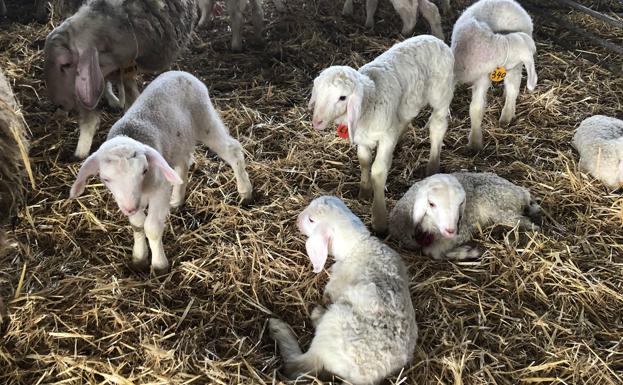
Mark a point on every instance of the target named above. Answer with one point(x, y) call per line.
point(407, 9)
point(488, 35)
point(378, 102)
point(150, 148)
point(368, 331)
point(439, 214)
point(599, 140)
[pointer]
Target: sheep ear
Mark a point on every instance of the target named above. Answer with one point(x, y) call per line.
point(353, 111)
point(88, 168)
point(155, 159)
point(312, 101)
point(419, 207)
point(532, 77)
point(317, 246)
point(89, 78)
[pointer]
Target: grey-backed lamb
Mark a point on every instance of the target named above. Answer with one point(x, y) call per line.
point(599, 140)
point(104, 40)
point(150, 149)
point(488, 35)
point(368, 331)
point(378, 102)
point(439, 214)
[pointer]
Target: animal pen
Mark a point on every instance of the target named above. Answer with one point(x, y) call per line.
point(541, 307)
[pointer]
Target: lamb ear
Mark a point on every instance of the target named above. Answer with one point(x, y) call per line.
point(312, 101)
point(155, 159)
point(419, 206)
point(317, 246)
point(89, 167)
point(353, 112)
point(89, 78)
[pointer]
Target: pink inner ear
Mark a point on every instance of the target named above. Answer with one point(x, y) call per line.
point(317, 246)
point(155, 159)
point(88, 168)
point(89, 85)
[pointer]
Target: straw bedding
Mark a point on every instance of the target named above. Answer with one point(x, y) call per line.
point(537, 308)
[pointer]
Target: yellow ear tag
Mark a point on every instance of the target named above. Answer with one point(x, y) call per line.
point(498, 74)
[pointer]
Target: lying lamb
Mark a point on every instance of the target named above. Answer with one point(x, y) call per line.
point(408, 10)
point(440, 213)
point(150, 148)
point(378, 102)
point(235, 9)
point(102, 41)
point(599, 140)
point(368, 330)
point(492, 38)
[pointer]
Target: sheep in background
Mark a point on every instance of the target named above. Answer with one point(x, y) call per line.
point(13, 155)
point(235, 9)
point(407, 9)
point(368, 331)
point(150, 148)
point(101, 42)
point(599, 140)
point(439, 214)
point(378, 102)
point(488, 35)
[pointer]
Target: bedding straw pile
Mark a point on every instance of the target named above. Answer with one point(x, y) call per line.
point(537, 308)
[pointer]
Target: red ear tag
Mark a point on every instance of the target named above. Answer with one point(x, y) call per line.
point(342, 131)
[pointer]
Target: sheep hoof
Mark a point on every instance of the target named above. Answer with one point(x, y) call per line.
point(370, 25)
point(475, 147)
point(379, 226)
point(365, 193)
point(140, 265)
point(505, 121)
point(160, 270)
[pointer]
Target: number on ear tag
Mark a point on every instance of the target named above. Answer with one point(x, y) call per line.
point(498, 74)
point(342, 131)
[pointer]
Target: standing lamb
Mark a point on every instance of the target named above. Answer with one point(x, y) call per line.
point(235, 9)
point(150, 148)
point(378, 102)
point(13, 153)
point(439, 214)
point(599, 140)
point(368, 330)
point(493, 35)
point(407, 9)
point(102, 41)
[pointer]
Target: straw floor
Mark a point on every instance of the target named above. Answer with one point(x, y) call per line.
point(537, 308)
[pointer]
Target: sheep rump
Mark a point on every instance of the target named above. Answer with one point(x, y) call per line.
point(599, 141)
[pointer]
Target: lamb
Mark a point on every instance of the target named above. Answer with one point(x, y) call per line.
point(599, 140)
point(235, 8)
point(106, 40)
point(13, 155)
point(368, 331)
point(439, 214)
point(493, 35)
point(378, 102)
point(150, 148)
point(407, 9)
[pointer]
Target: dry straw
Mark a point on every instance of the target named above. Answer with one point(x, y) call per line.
point(538, 308)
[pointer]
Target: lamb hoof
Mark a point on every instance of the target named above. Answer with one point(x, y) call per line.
point(160, 270)
point(370, 25)
point(475, 147)
point(505, 121)
point(81, 153)
point(246, 198)
point(365, 193)
point(432, 168)
point(140, 265)
point(379, 226)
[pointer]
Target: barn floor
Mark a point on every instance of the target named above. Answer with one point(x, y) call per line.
point(538, 308)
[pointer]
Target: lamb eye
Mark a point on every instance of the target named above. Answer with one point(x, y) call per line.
point(431, 204)
point(311, 220)
point(65, 67)
point(342, 98)
point(144, 171)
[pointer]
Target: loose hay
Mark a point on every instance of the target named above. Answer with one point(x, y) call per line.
point(537, 308)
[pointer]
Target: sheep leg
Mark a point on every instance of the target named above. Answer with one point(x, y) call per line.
point(408, 14)
point(41, 12)
point(371, 6)
point(446, 8)
point(438, 124)
point(380, 169)
point(512, 83)
point(131, 91)
point(230, 150)
point(365, 160)
point(179, 191)
point(154, 228)
point(234, 8)
point(279, 5)
point(205, 8)
point(112, 100)
point(463, 252)
point(317, 314)
point(348, 8)
point(88, 121)
point(511, 219)
point(258, 18)
point(430, 12)
point(477, 112)
point(140, 252)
